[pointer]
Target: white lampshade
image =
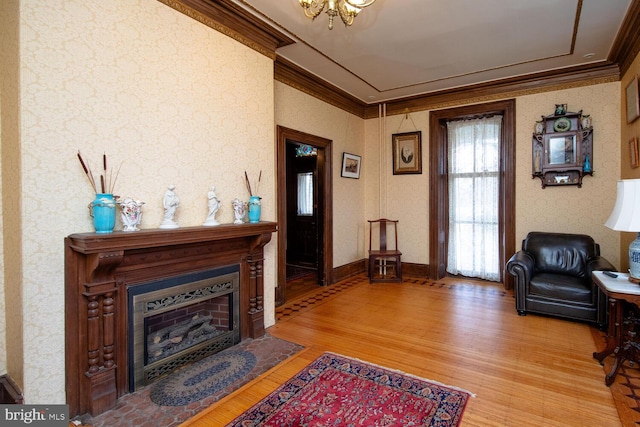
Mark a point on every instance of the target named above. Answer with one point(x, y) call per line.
point(626, 212)
point(626, 217)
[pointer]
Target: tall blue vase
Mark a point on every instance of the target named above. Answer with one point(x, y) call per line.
point(103, 211)
point(586, 168)
point(254, 209)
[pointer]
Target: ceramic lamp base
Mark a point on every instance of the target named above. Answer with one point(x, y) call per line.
point(634, 260)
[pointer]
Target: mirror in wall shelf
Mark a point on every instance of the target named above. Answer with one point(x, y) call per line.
point(562, 148)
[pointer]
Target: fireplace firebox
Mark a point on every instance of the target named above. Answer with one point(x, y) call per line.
point(101, 269)
point(181, 320)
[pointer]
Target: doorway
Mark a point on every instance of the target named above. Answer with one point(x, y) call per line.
point(304, 210)
point(439, 178)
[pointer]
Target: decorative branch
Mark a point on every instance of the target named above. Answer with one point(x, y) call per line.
point(106, 181)
point(247, 183)
point(87, 172)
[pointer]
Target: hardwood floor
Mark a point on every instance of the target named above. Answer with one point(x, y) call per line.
point(524, 371)
point(306, 282)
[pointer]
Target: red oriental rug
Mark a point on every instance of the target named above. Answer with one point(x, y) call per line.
point(336, 390)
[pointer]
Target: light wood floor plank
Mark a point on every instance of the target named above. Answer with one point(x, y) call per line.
point(524, 370)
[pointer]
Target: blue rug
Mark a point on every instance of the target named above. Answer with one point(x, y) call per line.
point(221, 372)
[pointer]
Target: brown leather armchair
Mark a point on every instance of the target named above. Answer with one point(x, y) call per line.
point(553, 276)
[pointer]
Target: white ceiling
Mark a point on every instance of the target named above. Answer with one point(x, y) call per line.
point(401, 48)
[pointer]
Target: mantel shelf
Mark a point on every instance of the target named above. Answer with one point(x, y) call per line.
point(87, 243)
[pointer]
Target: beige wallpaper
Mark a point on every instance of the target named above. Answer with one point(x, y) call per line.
point(178, 103)
point(568, 209)
point(629, 130)
point(302, 112)
point(572, 209)
point(10, 247)
point(401, 197)
point(3, 309)
point(170, 99)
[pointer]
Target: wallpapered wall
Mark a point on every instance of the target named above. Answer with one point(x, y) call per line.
point(563, 209)
point(297, 110)
point(170, 99)
point(10, 296)
point(178, 103)
point(629, 130)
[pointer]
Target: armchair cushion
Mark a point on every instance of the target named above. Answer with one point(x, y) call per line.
point(560, 287)
point(552, 275)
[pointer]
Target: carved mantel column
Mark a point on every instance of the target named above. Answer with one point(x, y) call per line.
point(100, 267)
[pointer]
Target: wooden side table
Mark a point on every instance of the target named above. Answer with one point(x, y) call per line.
point(621, 332)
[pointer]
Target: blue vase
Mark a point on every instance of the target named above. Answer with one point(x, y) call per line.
point(254, 209)
point(586, 168)
point(103, 211)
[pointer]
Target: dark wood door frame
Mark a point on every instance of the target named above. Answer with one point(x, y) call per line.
point(438, 197)
point(285, 135)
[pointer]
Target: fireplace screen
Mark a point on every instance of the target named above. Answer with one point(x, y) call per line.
point(181, 320)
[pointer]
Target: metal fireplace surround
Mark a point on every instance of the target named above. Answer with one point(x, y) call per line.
point(99, 268)
point(177, 321)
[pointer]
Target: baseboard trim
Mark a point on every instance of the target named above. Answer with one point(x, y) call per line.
point(348, 270)
point(415, 270)
point(9, 392)
point(357, 267)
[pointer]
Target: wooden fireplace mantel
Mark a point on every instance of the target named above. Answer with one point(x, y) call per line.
point(100, 267)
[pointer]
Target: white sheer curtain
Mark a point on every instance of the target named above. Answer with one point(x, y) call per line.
point(305, 194)
point(474, 175)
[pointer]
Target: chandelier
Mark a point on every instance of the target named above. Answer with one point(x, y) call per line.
point(346, 9)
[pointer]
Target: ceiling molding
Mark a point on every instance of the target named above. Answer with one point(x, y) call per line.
point(290, 74)
point(627, 44)
point(233, 21)
point(506, 88)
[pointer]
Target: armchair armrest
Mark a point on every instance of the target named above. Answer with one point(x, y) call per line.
point(599, 263)
point(521, 266)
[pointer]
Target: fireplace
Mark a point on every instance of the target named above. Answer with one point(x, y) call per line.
point(102, 270)
point(178, 321)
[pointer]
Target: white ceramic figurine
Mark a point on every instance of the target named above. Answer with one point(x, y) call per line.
point(214, 205)
point(170, 202)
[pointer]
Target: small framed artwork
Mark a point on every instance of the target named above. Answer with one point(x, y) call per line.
point(407, 153)
point(633, 106)
point(351, 166)
point(633, 152)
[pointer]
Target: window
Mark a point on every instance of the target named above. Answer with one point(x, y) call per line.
point(305, 194)
point(474, 184)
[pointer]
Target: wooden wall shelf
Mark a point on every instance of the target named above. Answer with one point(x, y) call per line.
point(562, 148)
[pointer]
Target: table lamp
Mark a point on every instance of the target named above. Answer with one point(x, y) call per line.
point(626, 217)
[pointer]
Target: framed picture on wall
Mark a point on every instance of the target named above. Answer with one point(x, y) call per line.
point(633, 106)
point(633, 152)
point(351, 166)
point(407, 153)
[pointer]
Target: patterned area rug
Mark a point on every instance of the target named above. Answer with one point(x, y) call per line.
point(233, 366)
point(337, 390)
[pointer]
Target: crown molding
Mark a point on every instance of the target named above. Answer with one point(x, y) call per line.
point(626, 47)
point(232, 20)
point(292, 75)
point(506, 88)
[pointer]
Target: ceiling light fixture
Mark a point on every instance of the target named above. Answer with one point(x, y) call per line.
point(346, 9)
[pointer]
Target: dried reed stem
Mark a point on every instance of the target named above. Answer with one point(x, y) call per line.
point(247, 183)
point(87, 172)
point(106, 181)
